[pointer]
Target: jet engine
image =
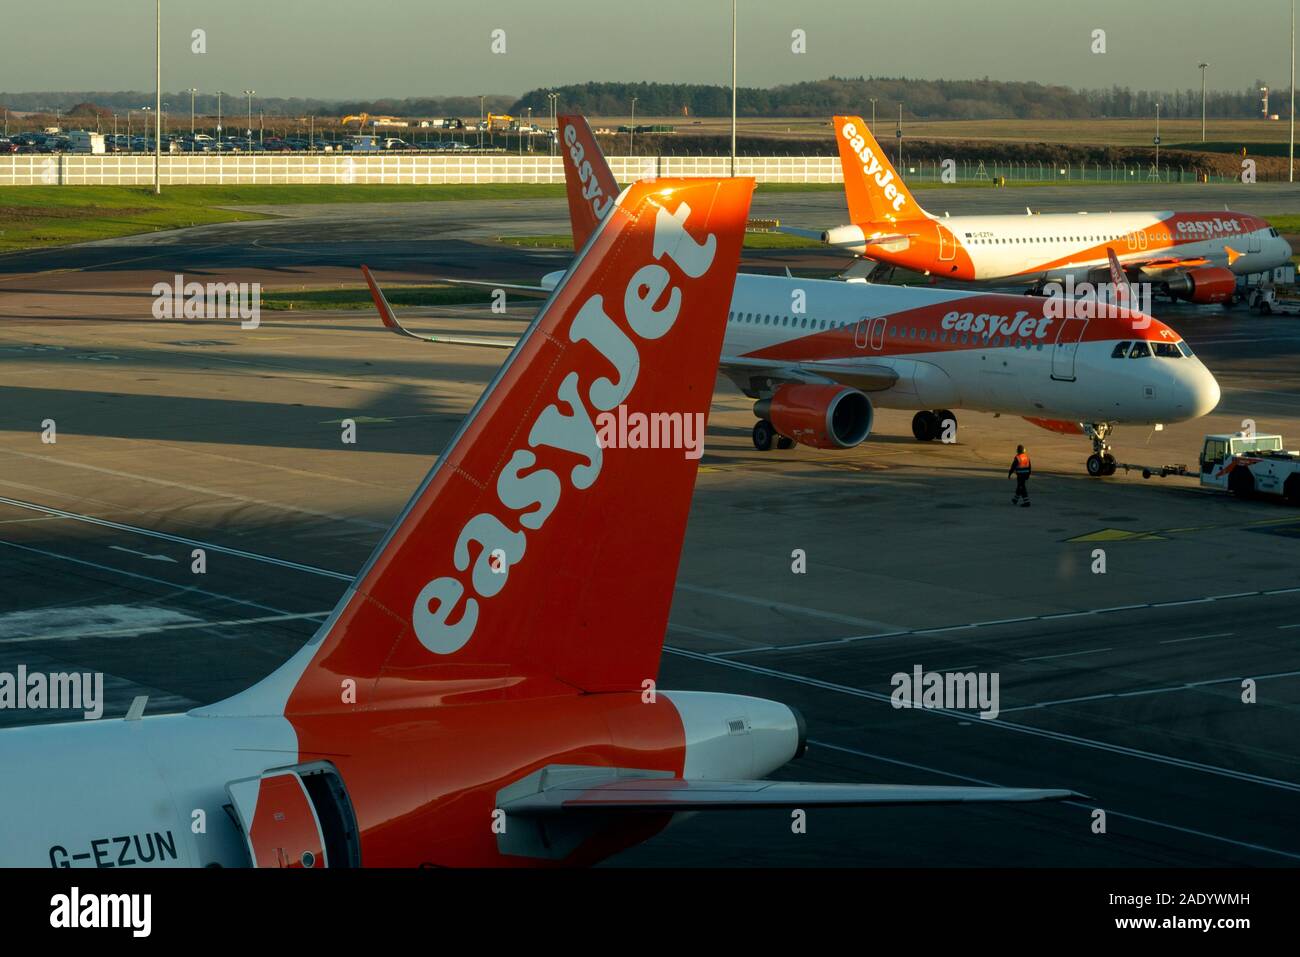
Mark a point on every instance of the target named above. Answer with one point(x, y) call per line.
point(822, 416)
point(1208, 284)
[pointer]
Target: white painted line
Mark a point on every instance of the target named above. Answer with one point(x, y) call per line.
point(997, 724)
point(179, 539)
point(1106, 611)
point(152, 558)
point(1174, 641)
point(1284, 627)
point(1078, 804)
point(1068, 654)
point(154, 629)
point(1049, 704)
point(784, 606)
point(213, 493)
point(148, 578)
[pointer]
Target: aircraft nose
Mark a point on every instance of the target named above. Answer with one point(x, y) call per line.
point(1202, 390)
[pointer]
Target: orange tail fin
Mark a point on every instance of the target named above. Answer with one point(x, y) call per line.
point(541, 552)
point(873, 188)
point(588, 179)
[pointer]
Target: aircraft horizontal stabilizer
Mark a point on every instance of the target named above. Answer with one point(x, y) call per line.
point(674, 795)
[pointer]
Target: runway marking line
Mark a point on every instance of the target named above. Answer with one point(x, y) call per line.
point(1070, 803)
point(997, 725)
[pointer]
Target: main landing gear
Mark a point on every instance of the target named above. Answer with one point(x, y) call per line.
point(1101, 462)
point(765, 436)
point(929, 425)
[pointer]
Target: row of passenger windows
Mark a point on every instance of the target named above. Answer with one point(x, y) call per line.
point(896, 333)
point(1143, 349)
point(1058, 239)
point(797, 322)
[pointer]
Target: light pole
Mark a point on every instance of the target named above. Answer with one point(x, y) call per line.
point(1157, 141)
point(157, 97)
point(873, 116)
point(733, 87)
point(192, 91)
point(220, 94)
point(555, 118)
point(631, 130)
point(249, 94)
point(480, 122)
point(1202, 67)
point(1290, 152)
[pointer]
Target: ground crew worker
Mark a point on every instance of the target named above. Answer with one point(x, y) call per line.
point(1021, 470)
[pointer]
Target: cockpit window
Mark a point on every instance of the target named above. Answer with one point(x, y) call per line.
point(1185, 349)
point(1166, 350)
point(1139, 350)
point(1121, 350)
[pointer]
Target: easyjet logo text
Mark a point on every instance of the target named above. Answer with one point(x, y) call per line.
point(1215, 225)
point(488, 548)
point(872, 167)
point(591, 190)
point(1022, 325)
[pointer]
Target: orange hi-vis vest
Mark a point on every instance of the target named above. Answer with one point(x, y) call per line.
point(1022, 462)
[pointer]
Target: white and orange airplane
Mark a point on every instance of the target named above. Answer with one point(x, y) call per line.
point(818, 356)
point(484, 691)
point(1195, 256)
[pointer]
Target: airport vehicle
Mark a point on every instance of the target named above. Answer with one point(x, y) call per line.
point(1195, 256)
point(83, 141)
point(819, 356)
point(484, 692)
point(1248, 465)
point(1268, 299)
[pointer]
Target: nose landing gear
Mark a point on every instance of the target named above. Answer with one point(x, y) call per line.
point(1101, 462)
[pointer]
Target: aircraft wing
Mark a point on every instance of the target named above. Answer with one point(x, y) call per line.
point(753, 374)
point(803, 233)
point(516, 286)
point(673, 795)
point(389, 319)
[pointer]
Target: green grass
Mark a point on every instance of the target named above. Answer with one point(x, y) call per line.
point(752, 241)
point(358, 297)
point(37, 216)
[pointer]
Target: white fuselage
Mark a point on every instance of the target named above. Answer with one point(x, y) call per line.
point(1031, 377)
point(1074, 244)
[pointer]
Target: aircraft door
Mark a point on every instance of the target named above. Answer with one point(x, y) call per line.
point(1066, 348)
point(947, 244)
point(878, 333)
point(296, 818)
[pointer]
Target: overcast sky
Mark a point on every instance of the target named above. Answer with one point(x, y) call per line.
point(373, 48)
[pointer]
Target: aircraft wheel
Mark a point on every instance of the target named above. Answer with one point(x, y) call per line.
point(925, 426)
point(1096, 466)
point(763, 435)
point(1108, 464)
point(942, 417)
point(784, 442)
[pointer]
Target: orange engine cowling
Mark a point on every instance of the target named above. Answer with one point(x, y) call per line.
point(823, 416)
point(1208, 284)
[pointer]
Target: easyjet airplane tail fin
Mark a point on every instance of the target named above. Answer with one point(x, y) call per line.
point(588, 179)
point(874, 190)
point(540, 554)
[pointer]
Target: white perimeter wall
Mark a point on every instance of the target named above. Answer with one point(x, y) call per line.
point(410, 169)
